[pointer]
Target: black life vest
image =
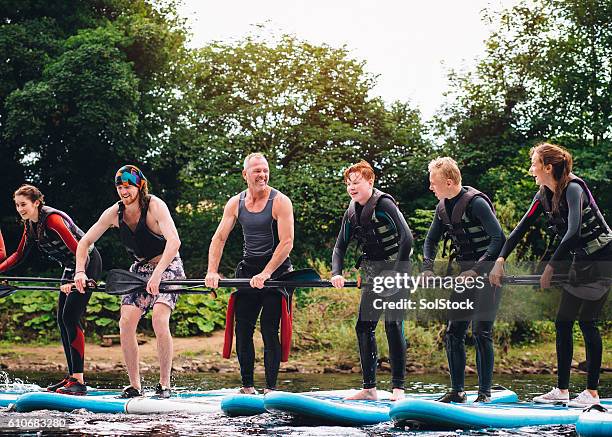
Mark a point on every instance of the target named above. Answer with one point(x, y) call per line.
point(468, 237)
point(378, 238)
point(49, 243)
point(142, 244)
point(594, 231)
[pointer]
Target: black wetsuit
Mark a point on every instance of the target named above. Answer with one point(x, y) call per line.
point(56, 236)
point(572, 307)
point(259, 244)
point(388, 215)
point(487, 300)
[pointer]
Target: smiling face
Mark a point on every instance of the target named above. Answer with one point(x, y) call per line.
point(359, 188)
point(27, 209)
point(128, 194)
point(442, 187)
point(542, 173)
point(257, 174)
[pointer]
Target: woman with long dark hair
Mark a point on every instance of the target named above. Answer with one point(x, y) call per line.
point(585, 241)
point(56, 236)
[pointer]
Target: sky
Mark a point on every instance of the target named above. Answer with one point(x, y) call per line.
point(410, 44)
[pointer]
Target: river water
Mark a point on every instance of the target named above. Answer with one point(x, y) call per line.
point(80, 423)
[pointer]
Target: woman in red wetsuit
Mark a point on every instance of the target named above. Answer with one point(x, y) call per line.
point(56, 236)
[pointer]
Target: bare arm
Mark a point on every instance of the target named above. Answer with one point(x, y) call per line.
point(215, 251)
point(161, 214)
point(284, 218)
point(107, 220)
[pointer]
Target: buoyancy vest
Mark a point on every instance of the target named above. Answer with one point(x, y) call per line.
point(50, 243)
point(594, 231)
point(468, 237)
point(376, 234)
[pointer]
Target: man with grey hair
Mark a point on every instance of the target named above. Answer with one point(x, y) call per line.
point(251, 156)
point(266, 217)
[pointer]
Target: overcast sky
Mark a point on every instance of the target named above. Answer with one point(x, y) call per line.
point(410, 44)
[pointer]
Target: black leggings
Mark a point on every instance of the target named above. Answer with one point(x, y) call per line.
point(455, 353)
point(70, 309)
point(482, 320)
point(249, 303)
point(588, 311)
point(366, 338)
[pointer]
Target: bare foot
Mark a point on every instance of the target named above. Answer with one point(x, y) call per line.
point(397, 395)
point(367, 394)
point(248, 391)
point(268, 390)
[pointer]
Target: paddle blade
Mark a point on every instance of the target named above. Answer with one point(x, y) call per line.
point(120, 282)
point(303, 275)
point(6, 290)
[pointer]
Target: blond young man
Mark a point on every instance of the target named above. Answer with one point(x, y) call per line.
point(465, 216)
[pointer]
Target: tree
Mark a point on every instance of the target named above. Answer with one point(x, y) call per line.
point(89, 87)
point(308, 109)
point(545, 75)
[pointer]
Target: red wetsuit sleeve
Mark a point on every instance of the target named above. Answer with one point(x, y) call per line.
point(2, 248)
point(16, 257)
point(56, 223)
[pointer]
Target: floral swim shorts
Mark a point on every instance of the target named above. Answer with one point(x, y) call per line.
point(144, 300)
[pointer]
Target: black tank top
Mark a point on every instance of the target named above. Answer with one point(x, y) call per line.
point(142, 244)
point(258, 228)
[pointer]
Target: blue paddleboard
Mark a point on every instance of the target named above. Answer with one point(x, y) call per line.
point(194, 403)
point(595, 422)
point(251, 405)
point(332, 409)
point(436, 415)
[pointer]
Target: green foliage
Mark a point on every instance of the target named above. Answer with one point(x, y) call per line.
point(199, 314)
point(102, 315)
point(28, 316)
point(545, 75)
point(84, 91)
point(88, 86)
point(308, 109)
point(419, 223)
point(31, 316)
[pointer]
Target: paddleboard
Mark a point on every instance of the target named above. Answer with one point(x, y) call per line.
point(190, 403)
point(429, 414)
point(596, 422)
point(333, 409)
point(251, 405)
point(7, 399)
point(10, 392)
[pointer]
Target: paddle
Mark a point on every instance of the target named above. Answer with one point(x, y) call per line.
point(28, 279)
point(119, 282)
point(123, 282)
point(531, 279)
point(7, 289)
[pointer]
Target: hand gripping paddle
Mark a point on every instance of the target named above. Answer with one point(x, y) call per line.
point(123, 282)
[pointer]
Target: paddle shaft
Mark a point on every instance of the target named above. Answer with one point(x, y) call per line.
point(28, 279)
